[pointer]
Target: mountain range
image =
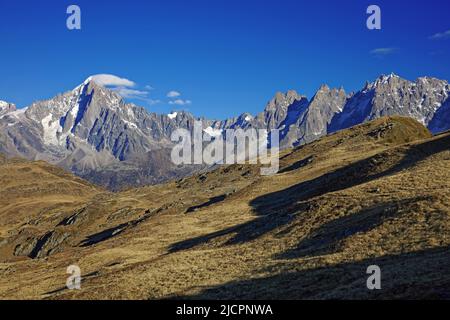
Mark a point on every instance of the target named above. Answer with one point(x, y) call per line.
point(95, 134)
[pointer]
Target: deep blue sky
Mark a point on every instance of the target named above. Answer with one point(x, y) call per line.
point(226, 56)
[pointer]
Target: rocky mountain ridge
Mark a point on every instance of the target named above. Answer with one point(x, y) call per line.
point(94, 133)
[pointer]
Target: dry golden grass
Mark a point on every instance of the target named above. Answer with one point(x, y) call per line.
point(378, 194)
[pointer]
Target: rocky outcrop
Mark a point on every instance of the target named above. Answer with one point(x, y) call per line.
point(6, 107)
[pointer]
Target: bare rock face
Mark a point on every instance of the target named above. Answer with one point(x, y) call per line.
point(25, 248)
point(312, 123)
point(6, 107)
point(94, 133)
point(392, 95)
point(441, 119)
point(280, 107)
point(42, 247)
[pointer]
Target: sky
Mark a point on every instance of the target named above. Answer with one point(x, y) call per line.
point(216, 58)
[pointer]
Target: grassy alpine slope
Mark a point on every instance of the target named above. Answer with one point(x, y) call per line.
point(378, 193)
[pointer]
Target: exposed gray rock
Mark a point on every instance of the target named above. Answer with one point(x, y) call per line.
point(6, 107)
point(41, 247)
point(441, 119)
point(392, 95)
point(49, 244)
point(312, 122)
point(25, 248)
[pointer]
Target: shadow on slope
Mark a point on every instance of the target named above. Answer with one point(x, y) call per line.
point(278, 208)
point(210, 202)
point(327, 238)
point(416, 275)
point(383, 164)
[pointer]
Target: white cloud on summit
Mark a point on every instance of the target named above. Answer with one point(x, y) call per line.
point(127, 89)
point(124, 87)
point(112, 80)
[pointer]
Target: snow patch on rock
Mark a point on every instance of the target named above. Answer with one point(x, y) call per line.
point(51, 128)
point(213, 132)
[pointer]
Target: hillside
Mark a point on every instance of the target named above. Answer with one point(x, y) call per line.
point(377, 193)
point(33, 196)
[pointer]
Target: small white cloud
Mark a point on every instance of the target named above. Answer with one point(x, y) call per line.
point(149, 87)
point(180, 102)
point(383, 51)
point(135, 94)
point(111, 80)
point(173, 94)
point(153, 102)
point(441, 35)
point(131, 93)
